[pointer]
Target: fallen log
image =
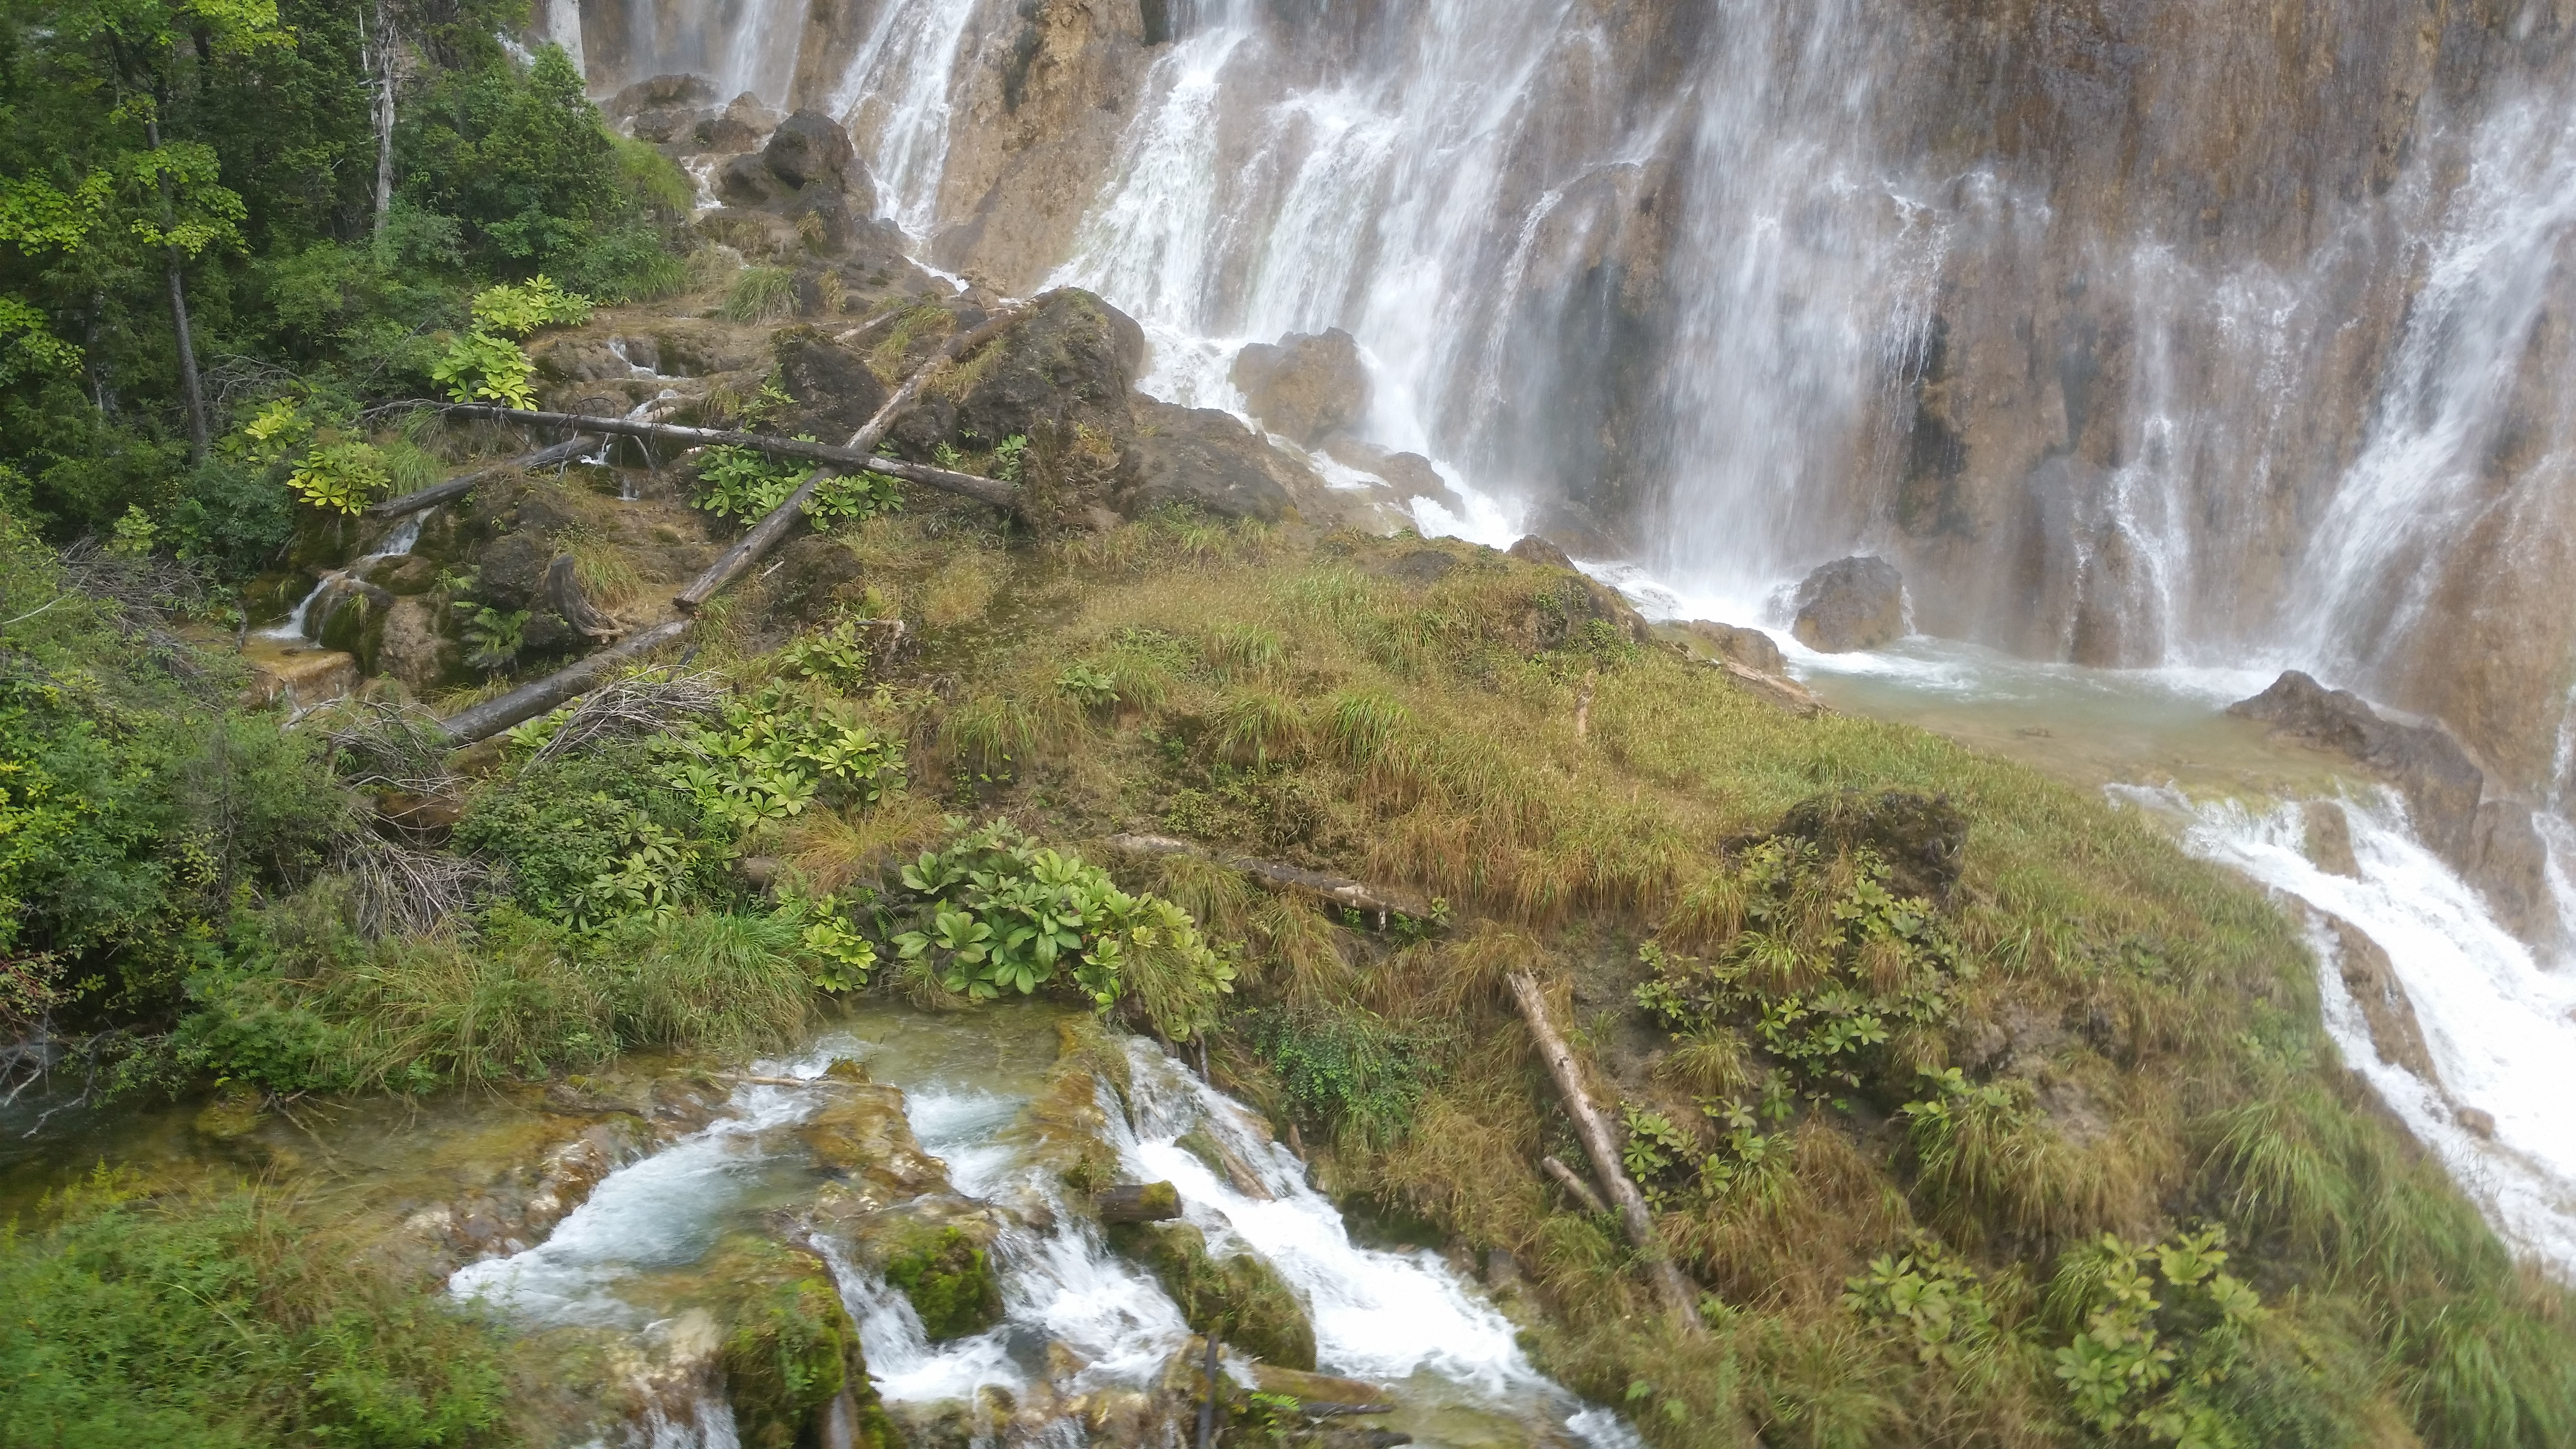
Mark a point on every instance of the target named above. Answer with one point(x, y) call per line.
point(464, 483)
point(967, 485)
point(767, 532)
point(1603, 1149)
point(1375, 900)
point(534, 698)
point(1567, 1178)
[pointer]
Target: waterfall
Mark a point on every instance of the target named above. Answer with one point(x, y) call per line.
point(897, 98)
point(2498, 1027)
point(299, 623)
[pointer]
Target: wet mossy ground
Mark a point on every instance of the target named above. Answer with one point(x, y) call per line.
point(1240, 1299)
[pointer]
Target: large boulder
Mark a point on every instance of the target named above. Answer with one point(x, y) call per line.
point(1851, 603)
point(1305, 386)
point(1208, 459)
point(1409, 474)
point(793, 1368)
point(808, 149)
point(1240, 1296)
point(1751, 648)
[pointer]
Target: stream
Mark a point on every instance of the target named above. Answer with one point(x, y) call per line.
point(1079, 1322)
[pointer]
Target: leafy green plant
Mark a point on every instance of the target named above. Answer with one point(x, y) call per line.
point(838, 953)
point(995, 913)
point(480, 367)
point(1347, 1069)
point(516, 311)
point(1092, 688)
point(1654, 1147)
point(2142, 1368)
point(772, 755)
point(836, 656)
point(492, 637)
point(1931, 1300)
point(744, 484)
point(342, 477)
point(1010, 458)
point(1824, 964)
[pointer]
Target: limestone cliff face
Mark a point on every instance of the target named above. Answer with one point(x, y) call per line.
point(2137, 331)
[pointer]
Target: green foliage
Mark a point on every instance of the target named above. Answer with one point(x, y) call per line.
point(492, 637)
point(516, 311)
point(1826, 966)
point(339, 477)
point(1347, 1069)
point(215, 1321)
point(1654, 1145)
point(1933, 1302)
point(994, 913)
point(1010, 458)
point(327, 465)
point(2142, 1368)
point(480, 367)
point(836, 656)
point(775, 753)
point(519, 158)
point(745, 484)
point(589, 839)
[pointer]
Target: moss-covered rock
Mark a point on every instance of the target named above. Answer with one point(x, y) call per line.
point(1241, 1299)
point(1065, 1125)
point(863, 1138)
point(947, 1273)
point(791, 1353)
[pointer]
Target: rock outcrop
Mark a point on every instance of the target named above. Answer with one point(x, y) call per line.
point(1304, 387)
point(1849, 604)
point(1751, 648)
point(2484, 834)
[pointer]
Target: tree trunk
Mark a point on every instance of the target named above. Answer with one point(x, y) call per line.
point(191, 388)
point(1375, 900)
point(1137, 1202)
point(381, 53)
point(536, 697)
point(765, 534)
point(966, 485)
point(1603, 1149)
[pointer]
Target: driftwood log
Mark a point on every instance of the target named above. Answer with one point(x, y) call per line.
point(1375, 900)
point(537, 696)
point(1572, 1181)
point(1603, 1149)
point(463, 483)
point(1138, 1202)
point(966, 485)
point(766, 534)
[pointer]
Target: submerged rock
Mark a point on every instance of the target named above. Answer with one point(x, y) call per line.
point(1242, 1297)
point(1851, 603)
point(1306, 385)
point(2372, 979)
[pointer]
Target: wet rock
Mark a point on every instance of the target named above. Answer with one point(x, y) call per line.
point(1502, 1270)
point(234, 1113)
point(1225, 1162)
point(1306, 385)
point(812, 577)
point(2329, 838)
point(793, 1368)
point(835, 391)
point(1203, 458)
point(301, 678)
point(945, 1269)
point(1242, 1296)
point(1072, 360)
point(524, 1200)
point(658, 93)
point(863, 1138)
point(1146, 1202)
point(2477, 1122)
point(1851, 603)
point(738, 127)
point(405, 575)
point(746, 181)
point(2491, 842)
point(808, 149)
point(1921, 837)
point(1422, 566)
point(1537, 550)
point(1064, 1128)
point(1749, 647)
point(412, 649)
point(1411, 475)
point(2372, 979)
point(511, 574)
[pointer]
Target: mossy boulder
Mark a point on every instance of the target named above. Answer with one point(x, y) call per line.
point(948, 1274)
point(1241, 1299)
point(1065, 1126)
point(791, 1353)
point(863, 1139)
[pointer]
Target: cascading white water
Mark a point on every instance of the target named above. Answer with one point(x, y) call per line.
point(2499, 1028)
point(1399, 1319)
point(398, 543)
point(897, 97)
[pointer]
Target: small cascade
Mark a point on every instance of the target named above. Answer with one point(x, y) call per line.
point(302, 623)
point(2498, 1027)
point(1078, 1319)
point(896, 97)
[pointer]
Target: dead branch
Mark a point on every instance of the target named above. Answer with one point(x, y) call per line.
point(648, 703)
point(765, 534)
point(534, 698)
point(1603, 1149)
point(375, 745)
point(1567, 1178)
point(394, 891)
point(1377, 901)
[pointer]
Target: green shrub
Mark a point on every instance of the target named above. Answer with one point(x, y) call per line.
point(761, 294)
point(1346, 1069)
